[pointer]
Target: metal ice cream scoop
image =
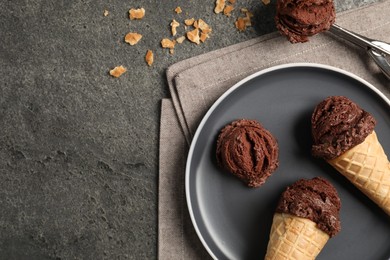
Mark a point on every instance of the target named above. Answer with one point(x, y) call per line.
point(379, 51)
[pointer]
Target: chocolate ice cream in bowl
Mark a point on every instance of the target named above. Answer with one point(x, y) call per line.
point(300, 19)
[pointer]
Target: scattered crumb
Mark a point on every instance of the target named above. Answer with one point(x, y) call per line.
point(180, 39)
point(228, 9)
point(133, 38)
point(136, 13)
point(149, 57)
point(240, 24)
point(189, 22)
point(195, 24)
point(248, 14)
point(117, 71)
point(203, 36)
point(247, 19)
point(266, 1)
point(167, 43)
point(202, 25)
point(178, 10)
point(193, 36)
point(243, 22)
point(219, 6)
point(174, 25)
point(198, 35)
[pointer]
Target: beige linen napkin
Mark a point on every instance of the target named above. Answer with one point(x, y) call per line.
point(197, 82)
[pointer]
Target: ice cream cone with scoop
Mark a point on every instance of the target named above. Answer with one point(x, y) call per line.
point(306, 217)
point(343, 135)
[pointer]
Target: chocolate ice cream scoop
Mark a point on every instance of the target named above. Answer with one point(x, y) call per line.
point(298, 19)
point(248, 150)
point(338, 124)
point(314, 199)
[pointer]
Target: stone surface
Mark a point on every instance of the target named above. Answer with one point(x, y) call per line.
point(78, 148)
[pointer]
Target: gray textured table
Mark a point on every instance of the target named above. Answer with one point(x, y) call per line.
point(78, 148)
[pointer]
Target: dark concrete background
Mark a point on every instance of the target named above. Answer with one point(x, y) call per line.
point(78, 148)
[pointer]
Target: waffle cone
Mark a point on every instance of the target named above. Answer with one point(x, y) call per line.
point(367, 167)
point(293, 237)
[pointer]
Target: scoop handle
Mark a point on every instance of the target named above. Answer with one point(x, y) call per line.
point(362, 41)
point(378, 51)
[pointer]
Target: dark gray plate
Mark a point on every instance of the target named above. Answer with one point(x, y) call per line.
point(233, 221)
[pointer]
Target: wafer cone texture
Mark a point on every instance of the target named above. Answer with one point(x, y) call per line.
point(294, 238)
point(367, 167)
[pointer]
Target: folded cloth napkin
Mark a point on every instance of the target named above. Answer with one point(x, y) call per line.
point(197, 82)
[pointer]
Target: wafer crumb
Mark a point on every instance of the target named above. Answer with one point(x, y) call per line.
point(228, 10)
point(240, 24)
point(202, 25)
point(243, 22)
point(219, 6)
point(117, 71)
point(133, 38)
point(174, 25)
point(149, 57)
point(105, 13)
point(193, 36)
point(189, 22)
point(171, 51)
point(167, 43)
point(178, 10)
point(180, 39)
point(136, 13)
point(248, 14)
point(266, 1)
point(203, 36)
point(247, 19)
